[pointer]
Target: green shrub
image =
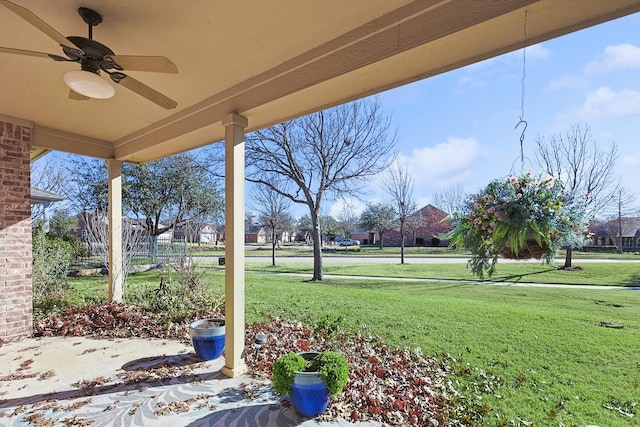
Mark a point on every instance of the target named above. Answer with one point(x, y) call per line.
point(49, 303)
point(182, 294)
point(334, 370)
point(51, 259)
point(332, 367)
point(284, 369)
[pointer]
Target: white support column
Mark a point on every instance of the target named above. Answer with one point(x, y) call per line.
point(116, 278)
point(234, 244)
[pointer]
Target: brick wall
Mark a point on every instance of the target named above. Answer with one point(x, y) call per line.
point(15, 231)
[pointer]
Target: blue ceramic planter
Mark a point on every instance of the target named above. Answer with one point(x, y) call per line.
point(207, 337)
point(309, 396)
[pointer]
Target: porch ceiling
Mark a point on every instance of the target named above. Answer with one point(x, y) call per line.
point(267, 60)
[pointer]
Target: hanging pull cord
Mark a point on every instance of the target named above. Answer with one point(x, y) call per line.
point(522, 93)
point(522, 140)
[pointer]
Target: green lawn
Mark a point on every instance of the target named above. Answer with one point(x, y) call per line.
point(531, 354)
point(546, 345)
point(591, 273)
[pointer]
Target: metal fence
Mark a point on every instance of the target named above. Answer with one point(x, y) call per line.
point(145, 251)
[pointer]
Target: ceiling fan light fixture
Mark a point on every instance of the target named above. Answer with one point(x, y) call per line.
point(89, 84)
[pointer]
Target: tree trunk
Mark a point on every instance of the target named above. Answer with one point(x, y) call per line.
point(567, 258)
point(401, 244)
point(317, 247)
point(619, 228)
point(273, 248)
point(380, 242)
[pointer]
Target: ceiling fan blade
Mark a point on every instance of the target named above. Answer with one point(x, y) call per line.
point(145, 91)
point(35, 54)
point(156, 64)
point(24, 52)
point(76, 96)
point(34, 20)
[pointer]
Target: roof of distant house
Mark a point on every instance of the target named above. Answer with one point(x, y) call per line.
point(254, 229)
point(630, 227)
point(430, 210)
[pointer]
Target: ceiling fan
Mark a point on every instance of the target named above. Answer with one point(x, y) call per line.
point(94, 58)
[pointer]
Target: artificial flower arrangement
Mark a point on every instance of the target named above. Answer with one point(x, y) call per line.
point(518, 217)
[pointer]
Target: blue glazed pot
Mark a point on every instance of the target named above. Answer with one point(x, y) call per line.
point(309, 396)
point(207, 337)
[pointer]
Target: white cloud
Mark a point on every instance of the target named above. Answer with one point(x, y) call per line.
point(433, 168)
point(605, 102)
point(442, 164)
point(350, 204)
point(568, 82)
point(630, 161)
point(619, 57)
point(469, 81)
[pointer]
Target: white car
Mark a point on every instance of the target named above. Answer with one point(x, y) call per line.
point(349, 242)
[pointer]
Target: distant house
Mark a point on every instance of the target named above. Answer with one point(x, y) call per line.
point(607, 233)
point(365, 237)
point(255, 234)
point(425, 227)
point(208, 234)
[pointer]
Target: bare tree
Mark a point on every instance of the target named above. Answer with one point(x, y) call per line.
point(48, 175)
point(450, 199)
point(347, 220)
point(622, 202)
point(273, 210)
point(581, 166)
point(327, 154)
point(398, 183)
point(97, 238)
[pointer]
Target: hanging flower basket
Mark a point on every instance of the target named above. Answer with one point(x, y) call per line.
point(530, 249)
point(518, 217)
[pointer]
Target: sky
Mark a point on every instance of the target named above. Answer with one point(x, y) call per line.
point(459, 128)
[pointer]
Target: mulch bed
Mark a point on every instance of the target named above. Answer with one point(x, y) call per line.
point(395, 387)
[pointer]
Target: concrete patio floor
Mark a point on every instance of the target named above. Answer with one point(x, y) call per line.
point(131, 382)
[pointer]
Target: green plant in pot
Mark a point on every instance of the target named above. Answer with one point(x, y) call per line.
point(310, 379)
point(518, 217)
